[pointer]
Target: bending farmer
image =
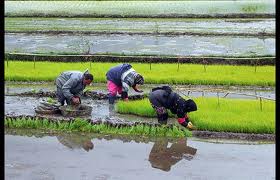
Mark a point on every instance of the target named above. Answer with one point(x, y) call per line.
point(70, 86)
point(120, 78)
point(163, 98)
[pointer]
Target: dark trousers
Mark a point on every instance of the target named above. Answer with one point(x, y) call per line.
point(161, 111)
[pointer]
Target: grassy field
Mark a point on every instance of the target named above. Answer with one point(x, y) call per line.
point(227, 115)
point(159, 73)
point(80, 125)
point(135, 8)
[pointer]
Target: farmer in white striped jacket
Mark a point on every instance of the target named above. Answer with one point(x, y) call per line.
point(120, 78)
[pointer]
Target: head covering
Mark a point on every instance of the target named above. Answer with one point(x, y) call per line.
point(139, 79)
point(190, 105)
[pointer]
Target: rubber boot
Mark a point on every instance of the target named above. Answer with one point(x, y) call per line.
point(111, 110)
point(112, 99)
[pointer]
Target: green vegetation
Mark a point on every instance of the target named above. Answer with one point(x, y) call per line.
point(80, 125)
point(223, 115)
point(159, 73)
point(135, 8)
point(51, 100)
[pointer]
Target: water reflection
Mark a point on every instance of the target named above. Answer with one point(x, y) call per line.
point(76, 142)
point(163, 157)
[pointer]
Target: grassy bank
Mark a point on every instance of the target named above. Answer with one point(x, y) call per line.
point(80, 125)
point(158, 74)
point(225, 115)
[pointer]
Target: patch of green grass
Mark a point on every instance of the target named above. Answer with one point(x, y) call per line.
point(159, 73)
point(225, 115)
point(80, 125)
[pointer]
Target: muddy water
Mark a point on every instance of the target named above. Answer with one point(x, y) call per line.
point(140, 44)
point(81, 156)
point(193, 91)
point(15, 105)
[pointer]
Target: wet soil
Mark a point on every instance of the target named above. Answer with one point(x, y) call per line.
point(154, 45)
point(41, 155)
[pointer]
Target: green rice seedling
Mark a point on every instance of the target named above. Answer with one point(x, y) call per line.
point(37, 123)
point(50, 100)
point(232, 115)
point(60, 125)
point(146, 130)
point(84, 126)
point(45, 123)
point(160, 73)
point(134, 8)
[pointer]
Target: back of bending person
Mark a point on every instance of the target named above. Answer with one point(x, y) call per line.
point(163, 98)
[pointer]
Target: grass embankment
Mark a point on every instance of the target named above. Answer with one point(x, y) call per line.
point(80, 125)
point(229, 115)
point(137, 8)
point(159, 73)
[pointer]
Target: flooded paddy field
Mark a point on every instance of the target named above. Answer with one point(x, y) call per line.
point(45, 155)
point(169, 26)
point(12, 88)
point(159, 45)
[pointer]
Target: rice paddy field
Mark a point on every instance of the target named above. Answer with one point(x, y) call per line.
point(223, 115)
point(158, 74)
point(138, 8)
point(140, 44)
point(198, 26)
point(231, 131)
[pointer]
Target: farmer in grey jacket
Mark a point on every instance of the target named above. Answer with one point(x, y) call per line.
point(120, 78)
point(70, 86)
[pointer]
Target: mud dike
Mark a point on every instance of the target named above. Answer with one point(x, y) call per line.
point(88, 94)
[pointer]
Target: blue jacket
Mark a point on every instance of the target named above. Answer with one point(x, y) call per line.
point(115, 73)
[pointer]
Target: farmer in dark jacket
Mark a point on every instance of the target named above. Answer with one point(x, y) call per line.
point(70, 86)
point(163, 98)
point(120, 78)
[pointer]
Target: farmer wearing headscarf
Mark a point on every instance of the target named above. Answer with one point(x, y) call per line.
point(70, 86)
point(120, 78)
point(163, 98)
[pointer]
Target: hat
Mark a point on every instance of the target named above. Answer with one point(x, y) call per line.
point(190, 105)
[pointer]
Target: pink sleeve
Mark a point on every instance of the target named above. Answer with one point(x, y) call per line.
point(181, 120)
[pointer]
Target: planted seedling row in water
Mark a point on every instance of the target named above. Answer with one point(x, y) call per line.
point(218, 114)
point(139, 8)
point(85, 126)
point(159, 73)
